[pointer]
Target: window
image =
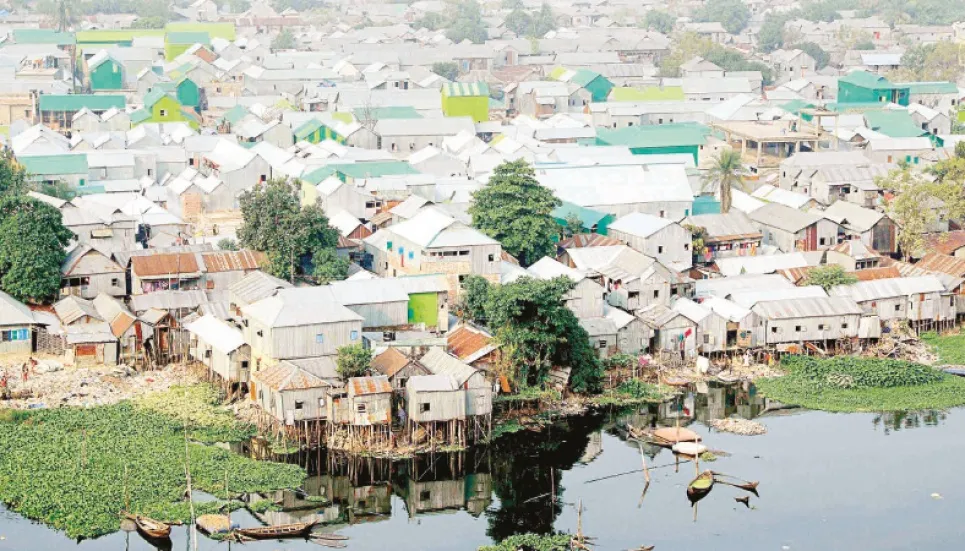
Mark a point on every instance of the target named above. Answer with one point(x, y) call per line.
point(150, 172)
point(360, 408)
point(492, 258)
point(706, 339)
point(260, 333)
point(820, 327)
point(823, 241)
point(15, 335)
point(207, 353)
point(897, 308)
point(844, 326)
point(411, 255)
point(264, 177)
point(299, 405)
point(164, 112)
point(319, 338)
point(424, 495)
point(798, 328)
point(656, 294)
point(774, 330)
point(633, 294)
point(244, 364)
point(115, 282)
point(321, 402)
point(388, 245)
point(660, 249)
point(663, 214)
point(686, 246)
point(354, 335)
point(424, 408)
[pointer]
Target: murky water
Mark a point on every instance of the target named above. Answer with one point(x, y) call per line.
point(829, 482)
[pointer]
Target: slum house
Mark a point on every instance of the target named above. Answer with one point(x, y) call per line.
point(853, 255)
point(90, 344)
point(360, 414)
point(478, 391)
point(656, 237)
point(292, 398)
point(382, 303)
point(602, 333)
point(123, 325)
point(711, 326)
point(854, 184)
point(73, 310)
point(397, 367)
point(791, 230)
point(921, 300)
point(165, 271)
point(814, 319)
point(428, 301)
point(252, 288)
point(302, 322)
point(673, 335)
point(433, 243)
point(744, 329)
point(224, 268)
point(631, 279)
point(725, 235)
point(87, 272)
point(437, 404)
point(873, 228)
point(949, 270)
point(221, 348)
point(473, 346)
point(17, 326)
point(585, 299)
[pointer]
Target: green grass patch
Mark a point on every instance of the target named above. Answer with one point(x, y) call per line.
point(509, 426)
point(950, 348)
point(529, 394)
point(66, 467)
point(535, 542)
point(848, 384)
point(263, 506)
point(633, 392)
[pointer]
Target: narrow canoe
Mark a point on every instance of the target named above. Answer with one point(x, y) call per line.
point(700, 486)
point(297, 530)
point(151, 528)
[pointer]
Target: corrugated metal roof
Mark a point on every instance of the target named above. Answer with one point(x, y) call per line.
point(946, 242)
point(748, 298)
point(428, 283)
point(72, 308)
point(440, 362)
point(783, 217)
point(390, 361)
point(640, 224)
point(871, 274)
point(465, 89)
point(725, 227)
point(766, 264)
point(164, 264)
point(218, 334)
point(936, 262)
point(432, 383)
point(807, 308)
point(362, 386)
point(285, 376)
point(76, 102)
point(52, 165)
point(889, 288)
point(256, 286)
point(300, 306)
point(369, 291)
point(232, 261)
point(469, 343)
point(89, 333)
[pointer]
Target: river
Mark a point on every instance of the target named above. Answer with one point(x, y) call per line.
point(827, 481)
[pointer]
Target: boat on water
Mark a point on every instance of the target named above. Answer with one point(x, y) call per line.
point(700, 487)
point(150, 528)
point(297, 530)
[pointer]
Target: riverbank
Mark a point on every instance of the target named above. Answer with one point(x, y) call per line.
point(76, 468)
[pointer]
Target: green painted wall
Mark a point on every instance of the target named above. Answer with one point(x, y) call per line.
point(107, 76)
point(689, 149)
point(423, 308)
point(188, 94)
point(172, 51)
point(600, 88)
point(476, 107)
point(851, 93)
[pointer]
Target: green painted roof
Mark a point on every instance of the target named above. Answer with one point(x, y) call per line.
point(76, 102)
point(652, 136)
point(43, 36)
point(305, 129)
point(865, 79)
point(235, 114)
point(140, 116)
point(153, 97)
point(796, 105)
point(188, 38)
point(893, 123)
point(105, 36)
point(584, 76)
point(465, 89)
point(393, 112)
point(649, 93)
point(214, 30)
point(930, 87)
point(588, 217)
point(374, 169)
point(54, 165)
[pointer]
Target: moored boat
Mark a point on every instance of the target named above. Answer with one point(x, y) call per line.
point(700, 487)
point(297, 530)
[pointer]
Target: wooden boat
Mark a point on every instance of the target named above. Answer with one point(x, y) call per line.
point(150, 528)
point(298, 530)
point(668, 436)
point(691, 449)
point(700, 487)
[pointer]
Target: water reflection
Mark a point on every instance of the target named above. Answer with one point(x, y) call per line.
point(895, 421)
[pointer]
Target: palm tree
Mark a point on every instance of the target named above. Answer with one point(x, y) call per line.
point(726, 173)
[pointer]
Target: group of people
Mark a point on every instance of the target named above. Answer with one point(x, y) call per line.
point(26, 370)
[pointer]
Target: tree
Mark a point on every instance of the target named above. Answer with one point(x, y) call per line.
point(467, 23)
point(431, 20)
point(227, 244)
point(535, 330)
point(285, 40)
point(520, 22)
point(289, 235)
point(544, 21)
point(329, 266)
point(58, 188)
point(659, 21)
point(150, 22)
point(13, 178)
point(516, 210)
point(688, 45)
point(32, 241)
point(353, 361)
point(733, 15)
point(864, 45)
point(930, 62)
point(821, 57)
point(771, 35)
point(916, 205)
point(574, 225)
point(829, 276)
point(448, 70)
point(472, 305)
point(726, 172)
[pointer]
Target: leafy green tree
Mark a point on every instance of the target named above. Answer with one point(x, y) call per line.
point(353, 361)
point(472, 305)
point(732, 14)
point(726, 173)
point(535, 330)
point(516, 210)
point(821, 57)
point(150, 22)
point(58, 189)
point(13, 178)
point(864, 45)
point(771, 35)
point(289, 235)
point(544, 21)
point(448, 70)
point(330, 266)
point(32, 241)
point(285, 40)
point(829, 276)
point(157, 10)
point(431, 20)
point(659, 21)
point(227, 244)
point(520, 22)
point(917, 202)
point(687, 46)
point(930, 62)
point(467, 23)
point(574, 225)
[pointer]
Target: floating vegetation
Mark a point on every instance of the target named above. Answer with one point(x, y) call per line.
point(66, 467)
point(633, 392)
point(200, 404)
point(509, 426)
point(950, 348)
point(849, 384)
point(708, 456)
point(263, 506)
point(535, 542)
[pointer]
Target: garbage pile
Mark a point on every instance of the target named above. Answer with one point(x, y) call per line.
point(736, 425)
